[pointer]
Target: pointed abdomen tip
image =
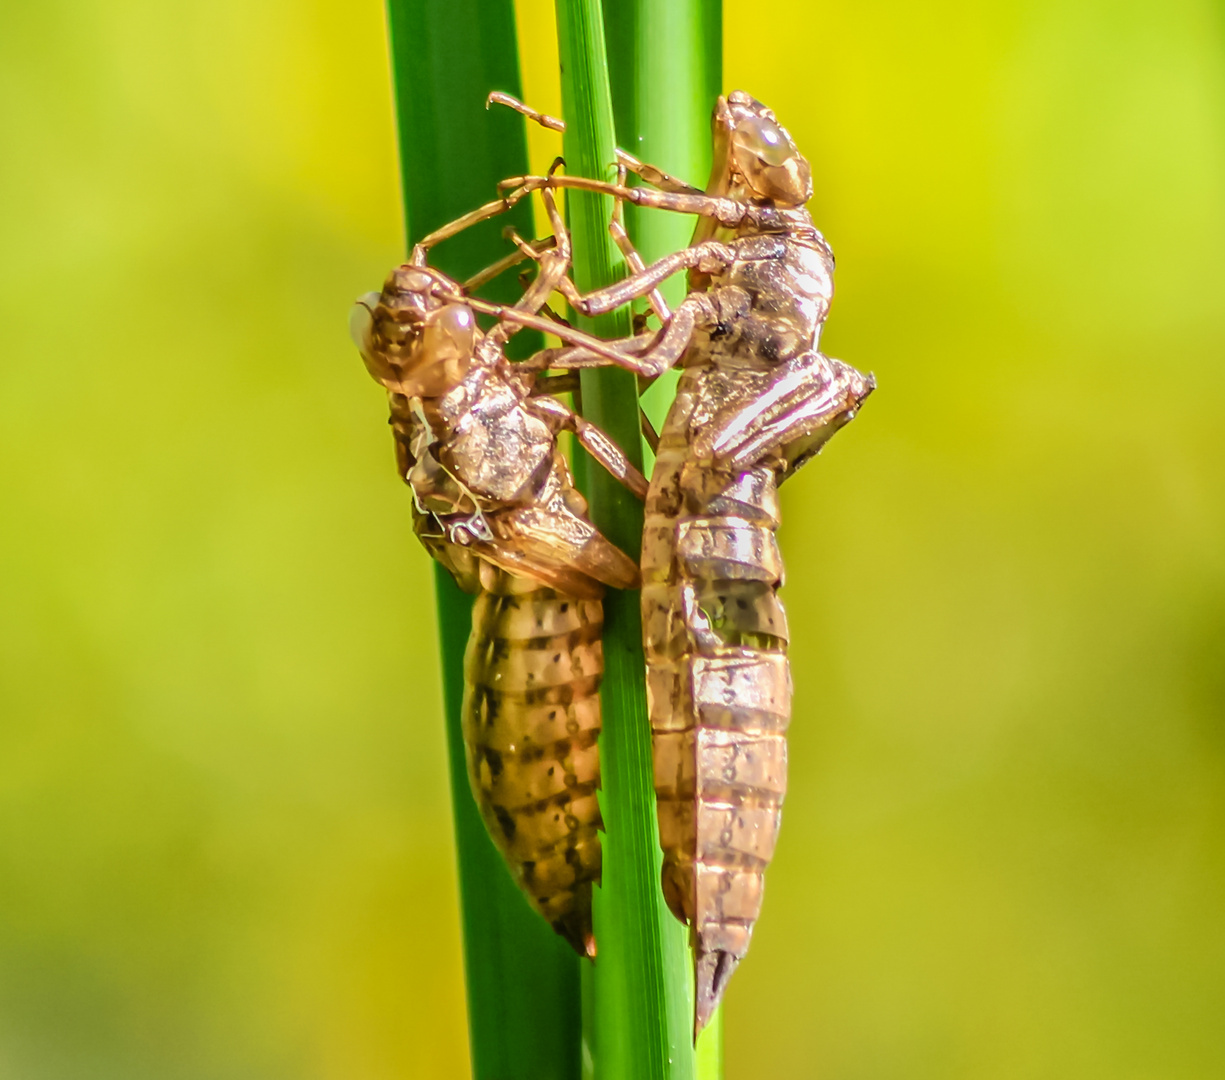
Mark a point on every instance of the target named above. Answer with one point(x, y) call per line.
point(712, 972)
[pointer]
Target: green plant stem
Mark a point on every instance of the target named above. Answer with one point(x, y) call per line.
point(666, 69)
point(642, 1027)
point(522, 981)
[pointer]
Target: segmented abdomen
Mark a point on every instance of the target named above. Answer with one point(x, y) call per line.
point(719, 689)
point(531, 719)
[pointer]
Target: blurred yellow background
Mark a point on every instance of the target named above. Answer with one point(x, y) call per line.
point(224, 830)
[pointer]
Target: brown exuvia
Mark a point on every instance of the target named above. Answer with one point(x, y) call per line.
point(756, 400)
point(495, 503)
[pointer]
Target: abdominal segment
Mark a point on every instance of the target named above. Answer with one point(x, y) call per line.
point(531, 719)
point(719, 689)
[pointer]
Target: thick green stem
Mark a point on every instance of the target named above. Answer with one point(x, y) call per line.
point(522, 980)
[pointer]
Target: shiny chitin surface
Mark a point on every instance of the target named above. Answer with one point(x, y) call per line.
point(756, 400)
point(531, 718)
point(495, 502)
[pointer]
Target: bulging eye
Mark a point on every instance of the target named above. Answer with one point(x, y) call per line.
point(769, 162)
point(444, 351)
point(765, 139)
point(449, 335)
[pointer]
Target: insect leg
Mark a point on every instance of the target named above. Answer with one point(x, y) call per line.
point(655, 176)
point(616, 229)
point(728, 212)
point(507, 262)
point(650, 173)
point(473, 217)
point(659, 353)
point(648, 431)
point(573, 357)
point(543, 119)
point(553, 266)
point(555, 384)
point(592, 347)
point(594, 441)
point(710, 257)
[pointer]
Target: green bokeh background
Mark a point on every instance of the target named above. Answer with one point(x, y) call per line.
point(224, 830)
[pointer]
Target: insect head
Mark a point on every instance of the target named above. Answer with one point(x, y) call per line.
point(413, 340)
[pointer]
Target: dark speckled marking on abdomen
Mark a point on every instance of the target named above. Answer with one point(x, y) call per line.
point(531, 720)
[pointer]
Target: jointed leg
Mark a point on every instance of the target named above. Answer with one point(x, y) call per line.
point(711, 257)
point(652, 175)
point(646, 355)
point(621, 238)
point(569, 384)
point(590, 344)
point(637, 267)
point(648, 431)
point(543, 119)
point(728, 212)
point(473, 217)
point(575, 357)
point(524, 281)
point(507, 262)
point(595, 442)
point(553, 384)
point(553, 266)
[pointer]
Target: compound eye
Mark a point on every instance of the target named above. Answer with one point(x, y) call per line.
point(765, 139)
point(769, 162)
point(444, 351)
point(450, 334)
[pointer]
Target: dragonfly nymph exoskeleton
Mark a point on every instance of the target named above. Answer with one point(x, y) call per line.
point(756, 399)
point(476, 438)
